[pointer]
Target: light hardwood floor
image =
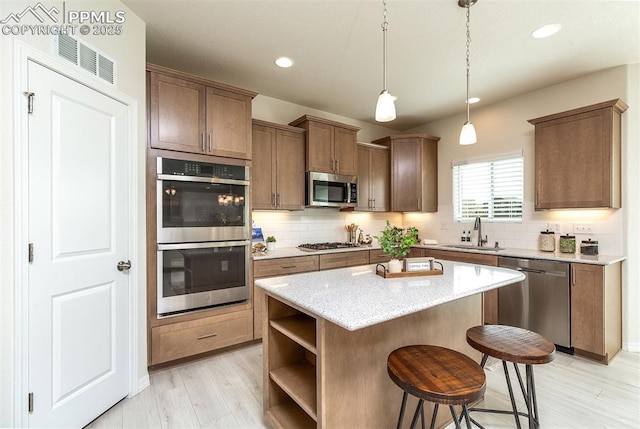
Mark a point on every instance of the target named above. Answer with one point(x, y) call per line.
point(225, 391)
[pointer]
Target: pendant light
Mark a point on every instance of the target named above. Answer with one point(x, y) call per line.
point(385, 108)
point(468, 132)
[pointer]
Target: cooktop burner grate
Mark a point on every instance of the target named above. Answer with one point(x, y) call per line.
point(326, 246)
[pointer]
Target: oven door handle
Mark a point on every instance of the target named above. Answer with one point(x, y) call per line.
point(202, 179)
point(180, 246)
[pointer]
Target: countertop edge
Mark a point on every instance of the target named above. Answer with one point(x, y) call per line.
point(271, 286)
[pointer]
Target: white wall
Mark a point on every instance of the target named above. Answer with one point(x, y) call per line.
point(503, 128)
point(128, 50)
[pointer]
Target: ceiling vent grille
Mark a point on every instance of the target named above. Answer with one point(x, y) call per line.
point(86, 57)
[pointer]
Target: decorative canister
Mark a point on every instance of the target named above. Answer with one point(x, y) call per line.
point(547, 241)
point(589, 247)
point(567, 243)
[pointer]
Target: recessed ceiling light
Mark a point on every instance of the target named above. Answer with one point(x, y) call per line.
point(284, 62)
point(546, 31)
point(473, 100)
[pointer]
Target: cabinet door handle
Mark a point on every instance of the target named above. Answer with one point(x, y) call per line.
point(278, 200)
point(203, 147)
point(289, 266)
point(202, 337)
point(337, 165)
point(273, 199)
point(374, 203)
point(573, 276)
point(419, 206)
point(210, 145)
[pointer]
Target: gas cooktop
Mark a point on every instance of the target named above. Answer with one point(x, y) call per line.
point(312, 247)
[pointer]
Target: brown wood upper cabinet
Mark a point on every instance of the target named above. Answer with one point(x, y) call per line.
point(373, 178)
point(331, 146)
point(195, 115)
point(278, 167)
point(577, 157)
point(414, 172)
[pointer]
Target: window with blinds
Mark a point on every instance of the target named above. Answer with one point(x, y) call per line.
point(493, 190)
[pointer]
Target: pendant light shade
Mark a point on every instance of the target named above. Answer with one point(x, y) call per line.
point(385, 108)
point(468, 132)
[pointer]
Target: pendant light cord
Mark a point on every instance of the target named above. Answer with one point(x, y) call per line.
point(468, 63)
point(384, 47)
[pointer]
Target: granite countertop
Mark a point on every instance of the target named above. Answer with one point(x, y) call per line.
point(287, 252)
point(534, 254)
point(356, 297)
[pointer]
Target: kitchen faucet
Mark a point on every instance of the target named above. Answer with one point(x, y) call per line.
point(478, 227)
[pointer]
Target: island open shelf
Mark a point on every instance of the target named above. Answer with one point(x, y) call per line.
point(326, 346)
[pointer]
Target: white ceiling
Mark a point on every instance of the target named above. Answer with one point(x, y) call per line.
point(337, 48)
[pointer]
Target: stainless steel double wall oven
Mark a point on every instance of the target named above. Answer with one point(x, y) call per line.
point(203, 235)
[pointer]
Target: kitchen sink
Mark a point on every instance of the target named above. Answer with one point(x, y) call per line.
point(468, 247)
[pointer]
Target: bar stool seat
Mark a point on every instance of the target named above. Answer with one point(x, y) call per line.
point(519, 346)
point(438, 375)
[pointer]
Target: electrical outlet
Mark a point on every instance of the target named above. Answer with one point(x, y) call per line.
point(555, 227)
point(582, 228)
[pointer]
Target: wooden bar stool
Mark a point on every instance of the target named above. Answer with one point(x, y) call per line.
point(438, 375)
point(516, 345)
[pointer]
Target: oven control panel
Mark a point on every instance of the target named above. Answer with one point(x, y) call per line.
point(180, 167)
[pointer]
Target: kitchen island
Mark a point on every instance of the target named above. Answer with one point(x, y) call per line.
point(330, 332)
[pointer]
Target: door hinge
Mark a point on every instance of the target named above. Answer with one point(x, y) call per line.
point(30, 402)
point(30, 96)
point(30, 252)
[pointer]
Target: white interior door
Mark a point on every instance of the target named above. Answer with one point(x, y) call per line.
point(78, 225)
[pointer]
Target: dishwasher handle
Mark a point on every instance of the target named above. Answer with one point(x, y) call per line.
point(530, 270)
point(543, 272)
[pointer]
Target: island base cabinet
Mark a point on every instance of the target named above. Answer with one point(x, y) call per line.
point(349, 386)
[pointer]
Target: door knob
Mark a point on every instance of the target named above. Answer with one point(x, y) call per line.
point(124, 266)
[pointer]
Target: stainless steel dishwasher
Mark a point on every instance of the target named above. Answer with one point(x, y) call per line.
point(541, 302)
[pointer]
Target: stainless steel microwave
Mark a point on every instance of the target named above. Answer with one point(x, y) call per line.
point(331, 190)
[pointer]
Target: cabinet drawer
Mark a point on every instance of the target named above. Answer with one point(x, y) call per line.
point(170, 342)
point(378, 256)
point(283, 266)
point(344, 259)
point(468, 257)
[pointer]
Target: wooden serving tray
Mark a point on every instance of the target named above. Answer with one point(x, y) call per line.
point(387, 275)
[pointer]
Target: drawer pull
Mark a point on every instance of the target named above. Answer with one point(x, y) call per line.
point(202, 337)
point(289, 266)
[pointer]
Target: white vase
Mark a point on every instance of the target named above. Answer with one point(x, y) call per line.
point(271, 245)
point(395, 266)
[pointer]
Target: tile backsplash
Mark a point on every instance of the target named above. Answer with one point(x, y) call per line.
point(319, 225)
point(323, 225)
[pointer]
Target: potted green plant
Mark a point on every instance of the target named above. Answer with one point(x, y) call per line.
point(396, 242)
point(271, 242)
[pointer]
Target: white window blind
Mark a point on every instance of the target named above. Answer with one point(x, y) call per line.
point(492, 189)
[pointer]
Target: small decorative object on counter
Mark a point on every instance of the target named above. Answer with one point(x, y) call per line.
point(589, 247)
point(567, 243)
point(547, 241)
point(396, 242)
point(351, 231)
point(271, 242)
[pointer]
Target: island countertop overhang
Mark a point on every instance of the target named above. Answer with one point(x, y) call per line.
point(355, 298)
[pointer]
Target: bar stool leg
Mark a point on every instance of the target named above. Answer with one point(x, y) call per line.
point(531, 398)
point(455, 418)
point(401, 417)
point(513, 400)
point(417, 413)
point(433, 417)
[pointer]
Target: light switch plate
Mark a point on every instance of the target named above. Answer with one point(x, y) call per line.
point(582, 228)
